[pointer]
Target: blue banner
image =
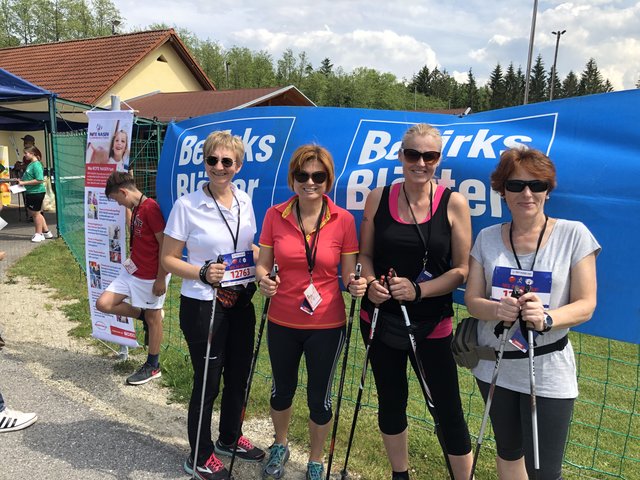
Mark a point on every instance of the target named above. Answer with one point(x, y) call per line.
point(592, 140)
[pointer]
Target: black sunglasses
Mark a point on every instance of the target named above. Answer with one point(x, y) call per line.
point(535, 186)
point(213, 161)
point(411, 155)
point(316, 177)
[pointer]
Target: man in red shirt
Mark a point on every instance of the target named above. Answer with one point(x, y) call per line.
point(142, 280)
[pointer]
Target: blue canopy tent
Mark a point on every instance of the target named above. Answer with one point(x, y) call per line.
point(25, 106)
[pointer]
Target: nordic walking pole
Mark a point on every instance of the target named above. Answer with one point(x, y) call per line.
point(423, 382)
point(206, 371)
point(487, 407)
point(534, 407)
point(254, 361)
point(492, 388)
point(343, 474)
point(352, 310)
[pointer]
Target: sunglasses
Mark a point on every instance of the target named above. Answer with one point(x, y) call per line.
point(411, 155)
point(535, 186)
point(213, 161)
point(316, 177)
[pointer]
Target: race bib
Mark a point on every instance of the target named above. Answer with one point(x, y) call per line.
point(240, 268)
point(505, 279)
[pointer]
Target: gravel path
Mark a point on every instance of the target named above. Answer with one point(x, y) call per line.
point(91, 424)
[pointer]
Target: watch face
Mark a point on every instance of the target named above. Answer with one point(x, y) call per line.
point(548, 321)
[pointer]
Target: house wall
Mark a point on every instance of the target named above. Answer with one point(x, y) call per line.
point(151, 75)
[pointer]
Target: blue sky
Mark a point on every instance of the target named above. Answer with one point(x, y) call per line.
point(400, 36)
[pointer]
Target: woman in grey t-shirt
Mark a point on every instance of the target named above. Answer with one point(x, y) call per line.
point(551, 264)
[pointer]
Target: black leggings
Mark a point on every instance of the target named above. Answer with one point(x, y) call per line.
point(321, 350)
point(231, 352)
point(511, 420)
point(389, 367)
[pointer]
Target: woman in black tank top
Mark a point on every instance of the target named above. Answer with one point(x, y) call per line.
point(422, 232)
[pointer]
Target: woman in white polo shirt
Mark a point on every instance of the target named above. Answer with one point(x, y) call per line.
point(216, 219)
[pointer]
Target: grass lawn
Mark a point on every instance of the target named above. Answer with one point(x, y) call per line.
point(604, 440)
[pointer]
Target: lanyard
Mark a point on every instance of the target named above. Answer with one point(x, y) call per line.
point(546, 219)
point(235, 239)
point(132, 225)
point(425, 244)
point(311, 250)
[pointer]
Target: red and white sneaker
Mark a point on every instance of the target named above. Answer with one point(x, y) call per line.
point(246, 450)
point(213, 469)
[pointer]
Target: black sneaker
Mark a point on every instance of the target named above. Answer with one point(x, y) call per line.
point(145, 373)
point(246, 450)
point(213, 469)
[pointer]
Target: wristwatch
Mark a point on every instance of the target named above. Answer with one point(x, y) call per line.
point(548, 322)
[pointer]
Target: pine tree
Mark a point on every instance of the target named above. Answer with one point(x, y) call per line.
point(591, 79)
point(471, 92)
point(511, 87)
point(326, 67)
point(538, 82)
point(497, 89)
point(557, 86)
point(570, 86)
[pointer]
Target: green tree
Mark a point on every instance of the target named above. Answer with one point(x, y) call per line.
point(557, 85)
point(638, 84)
point(470, 92)
point(538, 82)
point(326, 67)
point(497, 89)
point(104, 14)
point(512, 87)
point(591, 79)
point(421, 82)
point(570, 85)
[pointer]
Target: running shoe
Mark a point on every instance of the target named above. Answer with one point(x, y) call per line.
point(145, 373)
point(277, 458)
point(315, 471)
point(246, 450)
point(213, 469)
point(12, 420)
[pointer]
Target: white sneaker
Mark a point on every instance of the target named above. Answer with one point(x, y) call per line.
point(37, 238)
point(12, 420)
point(47, 234)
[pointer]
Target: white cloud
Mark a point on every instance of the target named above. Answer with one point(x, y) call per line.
point(401, 36)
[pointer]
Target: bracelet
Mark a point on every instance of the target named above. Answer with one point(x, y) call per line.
point(203, 272)
point(366, 292)
point(418, 298)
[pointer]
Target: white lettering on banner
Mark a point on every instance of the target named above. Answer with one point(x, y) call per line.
point(256, 147)
point(190, 182)
point(360, 185)
point(376, 143)
point(361, 182)
point(481, 144)
point(190, 151)
point(247, 186)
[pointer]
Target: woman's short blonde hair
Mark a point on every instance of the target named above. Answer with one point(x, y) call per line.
point(422, 130)
point(223, 139)
point(308, 153)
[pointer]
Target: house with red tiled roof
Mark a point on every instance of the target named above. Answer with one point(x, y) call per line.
point(90, 70)
point(176, 106)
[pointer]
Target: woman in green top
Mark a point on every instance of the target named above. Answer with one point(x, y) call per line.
point(33, 182)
